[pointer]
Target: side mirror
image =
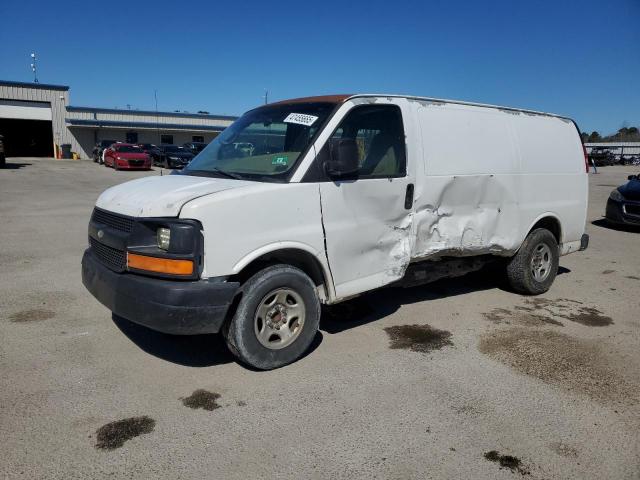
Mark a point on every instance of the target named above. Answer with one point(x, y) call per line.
point(343, 159)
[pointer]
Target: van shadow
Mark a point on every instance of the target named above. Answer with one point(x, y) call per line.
point(602, 222)
point(378, 304)
point(14, 166)
point(188, 350)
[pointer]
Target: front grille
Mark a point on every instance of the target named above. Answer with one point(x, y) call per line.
point(111, 257)
point(632, 209)
point(113, 220)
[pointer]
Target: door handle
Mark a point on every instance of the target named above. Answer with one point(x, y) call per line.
point(408, 197)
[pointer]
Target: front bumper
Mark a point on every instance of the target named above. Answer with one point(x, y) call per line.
point(168, 306)
point(617, 212)
point(133, 166)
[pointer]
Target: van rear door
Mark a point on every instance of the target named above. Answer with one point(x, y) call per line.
point(367, 221)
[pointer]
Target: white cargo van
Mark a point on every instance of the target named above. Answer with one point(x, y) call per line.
point(319, 199)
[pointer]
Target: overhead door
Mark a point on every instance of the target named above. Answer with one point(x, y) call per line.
point(26, 128)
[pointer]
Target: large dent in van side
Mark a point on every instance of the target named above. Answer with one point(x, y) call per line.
point(466, 215)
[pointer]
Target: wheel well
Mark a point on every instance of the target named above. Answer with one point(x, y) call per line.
point(552, 224)
point(290, 256)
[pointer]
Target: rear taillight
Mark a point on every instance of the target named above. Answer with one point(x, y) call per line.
point(586, 158)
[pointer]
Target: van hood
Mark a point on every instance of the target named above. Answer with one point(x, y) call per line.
point(161, 196)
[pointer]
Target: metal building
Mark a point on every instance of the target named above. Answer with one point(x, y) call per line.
point(35, 118)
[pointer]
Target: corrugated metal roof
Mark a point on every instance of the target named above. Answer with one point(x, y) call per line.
point(148, 112)
point(164, 126)
point(40, 86)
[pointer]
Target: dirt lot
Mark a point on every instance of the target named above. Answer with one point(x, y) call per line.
point(459, 379)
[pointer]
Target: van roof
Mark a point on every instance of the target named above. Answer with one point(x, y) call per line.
point(341, 98)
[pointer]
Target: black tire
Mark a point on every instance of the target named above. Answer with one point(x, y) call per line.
point(520, 269)
point(241, 335)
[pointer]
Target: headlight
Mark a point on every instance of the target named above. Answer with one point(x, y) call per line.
point(119, 158)
point(166, 247)
point(616, 196)
point(164, 238)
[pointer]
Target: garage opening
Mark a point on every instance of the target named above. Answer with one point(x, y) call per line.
point(27, 128)
point(27, 138)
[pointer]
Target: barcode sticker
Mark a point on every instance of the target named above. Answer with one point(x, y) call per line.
point(301, 119)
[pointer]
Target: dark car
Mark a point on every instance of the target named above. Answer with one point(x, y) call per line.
point(99, 148)
point(174, 156)
point(153, 151)
point(194, 147)
point(602, 156)
point(3, 160)
point(623, 206)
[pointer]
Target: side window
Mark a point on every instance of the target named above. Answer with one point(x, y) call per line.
point(379, 135)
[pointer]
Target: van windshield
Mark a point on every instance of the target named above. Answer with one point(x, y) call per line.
point(264, 144)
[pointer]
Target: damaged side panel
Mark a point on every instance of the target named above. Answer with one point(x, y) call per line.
point(466, 215)
point(467, 202)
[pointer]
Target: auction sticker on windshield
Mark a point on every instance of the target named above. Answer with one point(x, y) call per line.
point(282, 160)
point(301, 119)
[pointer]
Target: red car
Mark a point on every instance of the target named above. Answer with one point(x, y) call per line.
point(126, 156)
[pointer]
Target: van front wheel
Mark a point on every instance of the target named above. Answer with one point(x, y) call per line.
point(532, 270)
point(276, 319)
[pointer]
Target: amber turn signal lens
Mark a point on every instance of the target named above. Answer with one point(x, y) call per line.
point(160, 265)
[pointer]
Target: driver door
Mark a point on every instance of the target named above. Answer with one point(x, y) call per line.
point(367, 218)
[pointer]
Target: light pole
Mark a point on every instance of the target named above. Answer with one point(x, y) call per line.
point(34, 68)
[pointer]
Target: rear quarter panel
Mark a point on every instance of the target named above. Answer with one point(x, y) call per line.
point(553, 177)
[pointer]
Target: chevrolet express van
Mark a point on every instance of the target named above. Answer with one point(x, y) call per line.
point(336, 196)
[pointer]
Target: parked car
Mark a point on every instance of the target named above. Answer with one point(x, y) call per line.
point(630, 159)
point(153, 151)
point(174, 156)
point(3, 160)
point(194, 147)
point(99, 149)
point(126, 156)
point(623, 205)
point(602, 156)
point(352, 194)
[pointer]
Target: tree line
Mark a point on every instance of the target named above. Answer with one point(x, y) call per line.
point(625, 134)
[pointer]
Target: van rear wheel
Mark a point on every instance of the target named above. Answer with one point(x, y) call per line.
point(532, 270)
point(276, 320)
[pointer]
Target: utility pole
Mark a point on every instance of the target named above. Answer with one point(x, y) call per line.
point(155, 96)
point(266, 96)
point(34, 68)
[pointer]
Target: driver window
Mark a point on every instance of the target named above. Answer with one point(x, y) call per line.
point(379, 134)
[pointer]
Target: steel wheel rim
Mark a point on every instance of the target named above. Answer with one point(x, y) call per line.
point(541, 262)
point(279, 318)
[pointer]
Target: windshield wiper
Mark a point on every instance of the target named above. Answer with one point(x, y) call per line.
point(226, 174)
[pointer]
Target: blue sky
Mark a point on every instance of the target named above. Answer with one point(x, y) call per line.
point(578, 58)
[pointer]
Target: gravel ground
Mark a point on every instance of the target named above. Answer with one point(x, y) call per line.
point(458, 379)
